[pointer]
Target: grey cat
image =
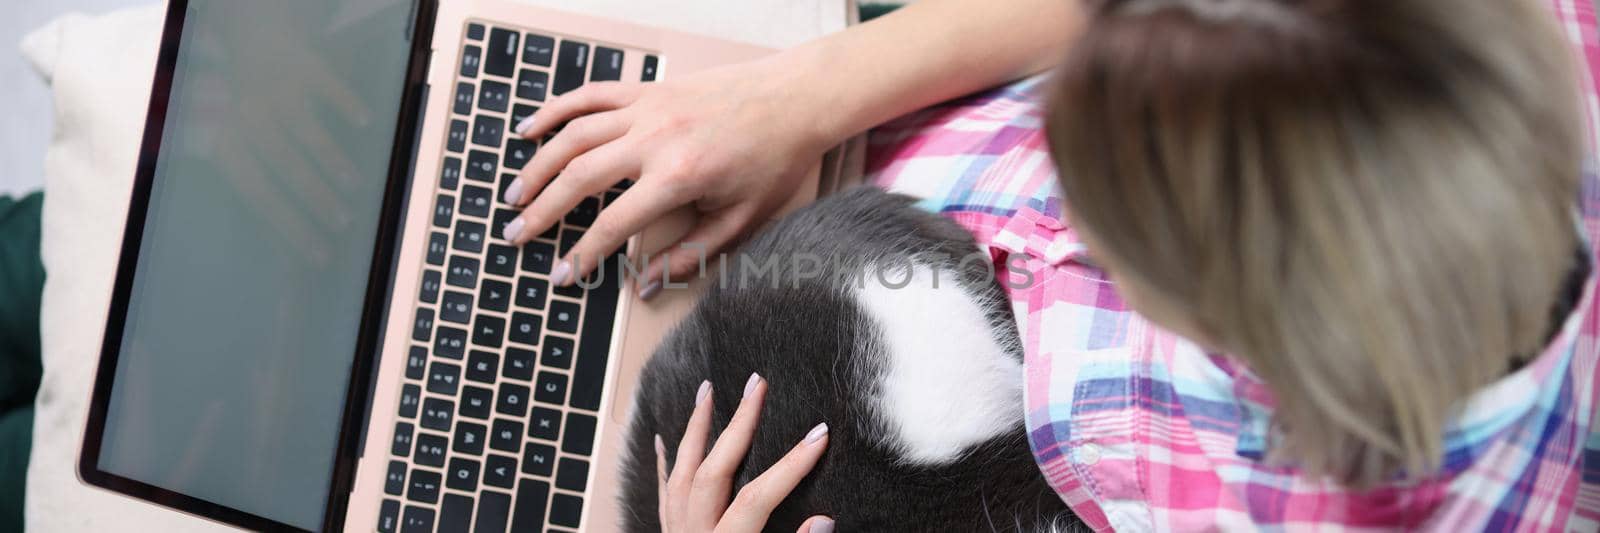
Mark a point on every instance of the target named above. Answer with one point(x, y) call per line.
point(904, 345)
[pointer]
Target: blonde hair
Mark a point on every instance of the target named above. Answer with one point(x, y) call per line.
point(1367, 201)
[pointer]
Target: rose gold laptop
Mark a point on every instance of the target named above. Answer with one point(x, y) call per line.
point(316, 324)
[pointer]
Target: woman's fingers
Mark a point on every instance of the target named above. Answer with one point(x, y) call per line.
point(816, 524)
point(590, 98)
point(661, 481)
point(691, 450)
point(759, 497)
point(642, 204)
point(714, 480)
point(579, 137)
point(684, 260)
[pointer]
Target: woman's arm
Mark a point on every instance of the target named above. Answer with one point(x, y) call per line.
point(736, 141)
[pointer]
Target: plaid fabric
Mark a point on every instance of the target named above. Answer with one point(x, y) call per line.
point(1140, 430)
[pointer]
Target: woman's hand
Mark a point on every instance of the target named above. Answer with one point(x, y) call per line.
point(732, 142)
point(694, 499)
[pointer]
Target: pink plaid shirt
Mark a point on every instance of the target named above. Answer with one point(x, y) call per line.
point(1141, 430)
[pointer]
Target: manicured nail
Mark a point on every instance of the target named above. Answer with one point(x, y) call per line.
point(513, 229)
point(514, 191)
point(817, 433)
point(750, 385)
point(705, 390)
point(661, 449)
point(822, 526)
point(522, 127)
point(649, 291)
point(560, 274)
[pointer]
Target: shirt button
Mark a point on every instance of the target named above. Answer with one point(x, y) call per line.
point(1089, 454)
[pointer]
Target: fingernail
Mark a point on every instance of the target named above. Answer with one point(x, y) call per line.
point(513, 229)
point(522, 127)
point(817, 433)
point(750, 385)
point(649, 291)
point(661, 449)
point(822, 526)
point(514, 191)
point(561, 272)
point(705, 389)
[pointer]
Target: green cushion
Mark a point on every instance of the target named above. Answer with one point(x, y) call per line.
point(21, 285)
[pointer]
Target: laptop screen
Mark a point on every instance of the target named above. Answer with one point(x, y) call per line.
point(249, 287)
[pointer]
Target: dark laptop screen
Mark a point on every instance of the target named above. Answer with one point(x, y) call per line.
point(249, 287)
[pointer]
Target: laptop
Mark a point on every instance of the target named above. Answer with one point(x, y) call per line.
point(316, 323)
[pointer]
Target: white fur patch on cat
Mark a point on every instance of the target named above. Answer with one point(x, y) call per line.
point(948, 384)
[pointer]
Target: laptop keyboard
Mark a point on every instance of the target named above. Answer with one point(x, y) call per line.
point(499, 407)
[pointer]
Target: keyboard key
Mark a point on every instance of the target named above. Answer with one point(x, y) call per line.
point(480, 166)
point(495, 295)
point(452, 342)
point(518, 152)
point(437, 413)
point(430, 286)
point(401, 447)
point(544, 423)
point(519, 364)
point(389, 516)
point(417, 520)
point(538, 49)
point(573, 474)
point(551, 388)
point(488, 131)
point(424, 488)
point(502, 260)
point(493, 509)
point(470, 236)
point(594, 345)
point(416, 362)
point(410, 400)
point(651, 64)
point(564, 316)
point(457, 141)
point(585, 213)
point(532, 85)
point(455, 514)
point(529, 513)
point(500, 56)
point(481, 366)
point(469, 438)
point(395, 482)
point(607, 64)
point(463, 474)
point(571, 61)
point(513, 400)
point(494, 96)
point(538, 257)
point(531, 291)
point(499, 471)
point(538, 459)
point(579, 439)
point(430, 450)
point(506, 435)
point(519, 112)
point(438, 244)
point(489, 331)
point(463, 102)
point(443, 378)
point(444, 209)
point(557, 352)
point(566, 510)
point(450, 173)
point(475, 31)
point(457, 307)
point(463, 272)
point(525, 328)
point(476, 402)
point(569, 238)
point(476, 201)
point(422, 327)
point(470, 58)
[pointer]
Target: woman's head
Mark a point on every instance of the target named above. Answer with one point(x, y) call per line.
point(1369, 201)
